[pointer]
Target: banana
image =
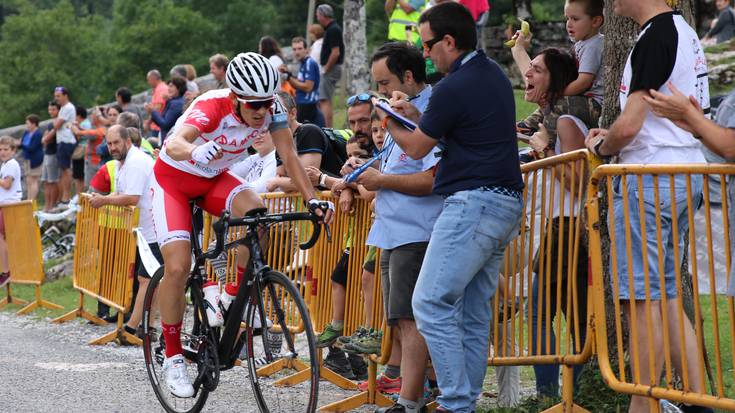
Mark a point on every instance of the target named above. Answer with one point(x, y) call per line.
point(672, 3)
point(526, 30)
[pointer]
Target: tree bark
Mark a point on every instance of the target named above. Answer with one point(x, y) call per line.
point(355, 47)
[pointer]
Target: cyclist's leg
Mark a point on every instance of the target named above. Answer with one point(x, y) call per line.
point(231, 193)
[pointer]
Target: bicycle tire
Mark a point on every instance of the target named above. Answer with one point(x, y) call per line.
point(154, 353)
point(299, 349)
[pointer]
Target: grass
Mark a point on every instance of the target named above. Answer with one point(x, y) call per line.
point(59, 292)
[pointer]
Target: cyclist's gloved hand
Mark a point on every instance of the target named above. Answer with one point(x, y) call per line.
point(207, 152)
point(325, 208)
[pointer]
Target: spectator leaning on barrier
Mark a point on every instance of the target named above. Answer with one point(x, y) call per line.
point(32, 148)
point(174, 107)
point(131, 183)
point(50, 171)
point(10, 191)
point(217, 67)
point(306, 83)
point(65, 140)
point(667, 50)
point(331, 59)
point(479, 176)
point(405, 212)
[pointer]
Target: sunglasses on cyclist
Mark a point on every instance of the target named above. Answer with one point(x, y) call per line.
point(359, 98)
point(428, 45)
point(256, 104)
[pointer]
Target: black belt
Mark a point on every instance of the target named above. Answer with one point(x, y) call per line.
point(503, 191)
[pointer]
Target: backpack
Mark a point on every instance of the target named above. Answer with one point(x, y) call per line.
point(337, 140)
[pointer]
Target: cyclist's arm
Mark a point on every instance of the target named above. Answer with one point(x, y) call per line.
point(179, 146)
point(283, 141)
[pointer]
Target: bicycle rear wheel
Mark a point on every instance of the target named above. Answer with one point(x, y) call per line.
point(282, 358)
point(195, 347)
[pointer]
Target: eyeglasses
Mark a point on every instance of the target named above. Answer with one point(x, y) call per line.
point(430, 44)
point(361, 98)
point(257, 104)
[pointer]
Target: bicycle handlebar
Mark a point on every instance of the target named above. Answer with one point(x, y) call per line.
point(221, 227)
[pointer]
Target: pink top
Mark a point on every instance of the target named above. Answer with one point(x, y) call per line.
point(476, 7)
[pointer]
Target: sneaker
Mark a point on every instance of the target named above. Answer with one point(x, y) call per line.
point(4, 279)
point(383, 384)
point(212, 303)
point(177, 380)
point(359, 367)
point(357, 334)
point(396, 408)
point(337, 361)
point(367, 344)
point(328, 336)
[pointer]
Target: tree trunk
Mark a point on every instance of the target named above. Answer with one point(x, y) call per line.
point(522, 9)
point(355, 47)
point(310, 20)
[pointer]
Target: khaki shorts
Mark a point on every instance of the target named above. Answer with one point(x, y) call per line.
point(33, 172)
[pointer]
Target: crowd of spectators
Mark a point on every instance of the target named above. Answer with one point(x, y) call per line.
point(447, 195)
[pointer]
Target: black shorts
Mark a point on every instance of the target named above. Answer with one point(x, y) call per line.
point(339, 274)
point(63, 154)
point(139, 267)
point(77, 169)
point(399, 271)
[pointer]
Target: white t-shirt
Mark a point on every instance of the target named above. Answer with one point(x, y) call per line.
point(11, 169)
point(316, 51)
point(667, 49)
point(276, 61)
point(133, 178)
point(256, 170)
point(69, 114)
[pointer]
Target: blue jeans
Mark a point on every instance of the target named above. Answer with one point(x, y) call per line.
point(459, 275)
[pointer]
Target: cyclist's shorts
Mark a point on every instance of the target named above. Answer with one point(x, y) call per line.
point(171, 190)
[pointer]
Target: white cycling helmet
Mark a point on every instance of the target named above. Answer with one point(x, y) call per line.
point(251, 74)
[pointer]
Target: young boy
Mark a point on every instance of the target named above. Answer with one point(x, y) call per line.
point(10, 191)
point(584, 20)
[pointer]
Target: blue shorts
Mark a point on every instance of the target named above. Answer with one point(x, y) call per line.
point(63, 154)
point(668, 210)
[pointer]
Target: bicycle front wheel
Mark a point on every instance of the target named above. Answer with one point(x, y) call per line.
point(281, 352)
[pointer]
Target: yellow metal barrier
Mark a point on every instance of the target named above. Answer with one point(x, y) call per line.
point(653, 349)
point(23, 239)
point(104, 261)
point(547, 260)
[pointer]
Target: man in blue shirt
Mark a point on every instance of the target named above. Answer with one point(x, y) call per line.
point(471, 115)
point(306, 83)
point(405, 212)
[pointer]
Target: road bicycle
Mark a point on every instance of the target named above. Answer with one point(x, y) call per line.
point(266, 298)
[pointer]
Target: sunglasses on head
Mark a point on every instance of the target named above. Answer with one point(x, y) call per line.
point(257, 104)
point(61, 89)
point(359, 98)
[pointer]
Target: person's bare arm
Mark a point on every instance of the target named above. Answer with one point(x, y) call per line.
point(417, 184)
point(179, 147)
point(97, 200)
point(305, 86)
point(582, 84)
point(520, 52)
point(6, 182)
point(332, 60)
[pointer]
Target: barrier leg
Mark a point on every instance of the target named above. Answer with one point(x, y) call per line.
point(38, 303)
point(118, 333)
point(80, 312)
point(567, 394)
point(9, 299)
point(371, 396)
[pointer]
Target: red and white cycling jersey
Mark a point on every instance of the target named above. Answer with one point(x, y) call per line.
point(213, 115)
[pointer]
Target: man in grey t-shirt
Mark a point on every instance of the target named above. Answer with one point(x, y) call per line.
point(65, 139)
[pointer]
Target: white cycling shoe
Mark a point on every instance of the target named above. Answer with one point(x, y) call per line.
point(177, 380)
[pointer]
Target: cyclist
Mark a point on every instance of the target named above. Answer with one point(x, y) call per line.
point(212, 135)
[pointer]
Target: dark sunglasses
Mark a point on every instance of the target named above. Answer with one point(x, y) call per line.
point(361, 98)
point(430, 44)
point(257, 104)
